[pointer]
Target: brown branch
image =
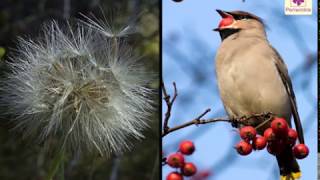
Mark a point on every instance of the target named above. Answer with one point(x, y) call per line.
point(169, 103)
point(245, 120)
point(195, 121)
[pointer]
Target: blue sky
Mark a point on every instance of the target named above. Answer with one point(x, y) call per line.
point(189, 46)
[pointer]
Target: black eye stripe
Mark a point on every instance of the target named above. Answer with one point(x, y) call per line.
point(239, 17)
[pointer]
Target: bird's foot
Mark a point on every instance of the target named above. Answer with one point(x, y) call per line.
point(235, 122)
point(243, 118)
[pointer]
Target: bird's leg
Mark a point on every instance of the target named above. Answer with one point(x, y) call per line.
point(236, 121)
point(244, 119)
point(266, 118)
point(267, 115)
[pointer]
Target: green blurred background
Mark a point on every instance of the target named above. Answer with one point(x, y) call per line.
point(23, 159)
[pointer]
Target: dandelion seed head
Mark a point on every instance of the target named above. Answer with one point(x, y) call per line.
point(105, 28)
point(81, 84)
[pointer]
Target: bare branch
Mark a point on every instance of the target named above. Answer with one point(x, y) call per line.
point(169, 103)
point(245, 120)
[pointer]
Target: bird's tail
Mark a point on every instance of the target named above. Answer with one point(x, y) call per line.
point(288, 165)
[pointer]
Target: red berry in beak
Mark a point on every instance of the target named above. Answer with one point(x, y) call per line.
point(300, 151)
point(186, 147)
point(244, 148)
point(174, 176)
point(189, 169)
point(280, 127)
point(175, 160)
point(248, 133)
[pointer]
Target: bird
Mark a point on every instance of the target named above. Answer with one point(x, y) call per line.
point(252, 78)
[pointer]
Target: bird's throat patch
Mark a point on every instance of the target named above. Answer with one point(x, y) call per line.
point(224, 33)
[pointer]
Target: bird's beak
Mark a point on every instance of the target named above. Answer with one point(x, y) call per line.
point(216, 29)
point(223, 14)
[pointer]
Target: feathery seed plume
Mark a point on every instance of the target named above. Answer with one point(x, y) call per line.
point(80, 84)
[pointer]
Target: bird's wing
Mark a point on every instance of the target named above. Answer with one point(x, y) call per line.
point(283, 72)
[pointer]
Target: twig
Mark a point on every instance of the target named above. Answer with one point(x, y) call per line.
point(169, 103)
point(195, 121)
point(242, 120)
point(245, 120)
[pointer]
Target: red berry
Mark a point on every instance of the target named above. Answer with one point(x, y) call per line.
point(269, 134)
point(243, 148)
point(292, 137)
point(175, 160)
point(174, 176)
point(248, 133)
point(259, 143)
point(300, 151)
point(280, 127)
point(186, 147)
point(189, 169)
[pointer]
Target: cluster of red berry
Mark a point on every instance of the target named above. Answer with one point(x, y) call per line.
point(177, 160)
point(276, 138)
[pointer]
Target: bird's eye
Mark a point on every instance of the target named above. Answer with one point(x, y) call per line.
point(244, 17)
point(241, 17)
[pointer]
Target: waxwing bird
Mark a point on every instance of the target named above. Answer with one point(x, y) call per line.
point(253, 78)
